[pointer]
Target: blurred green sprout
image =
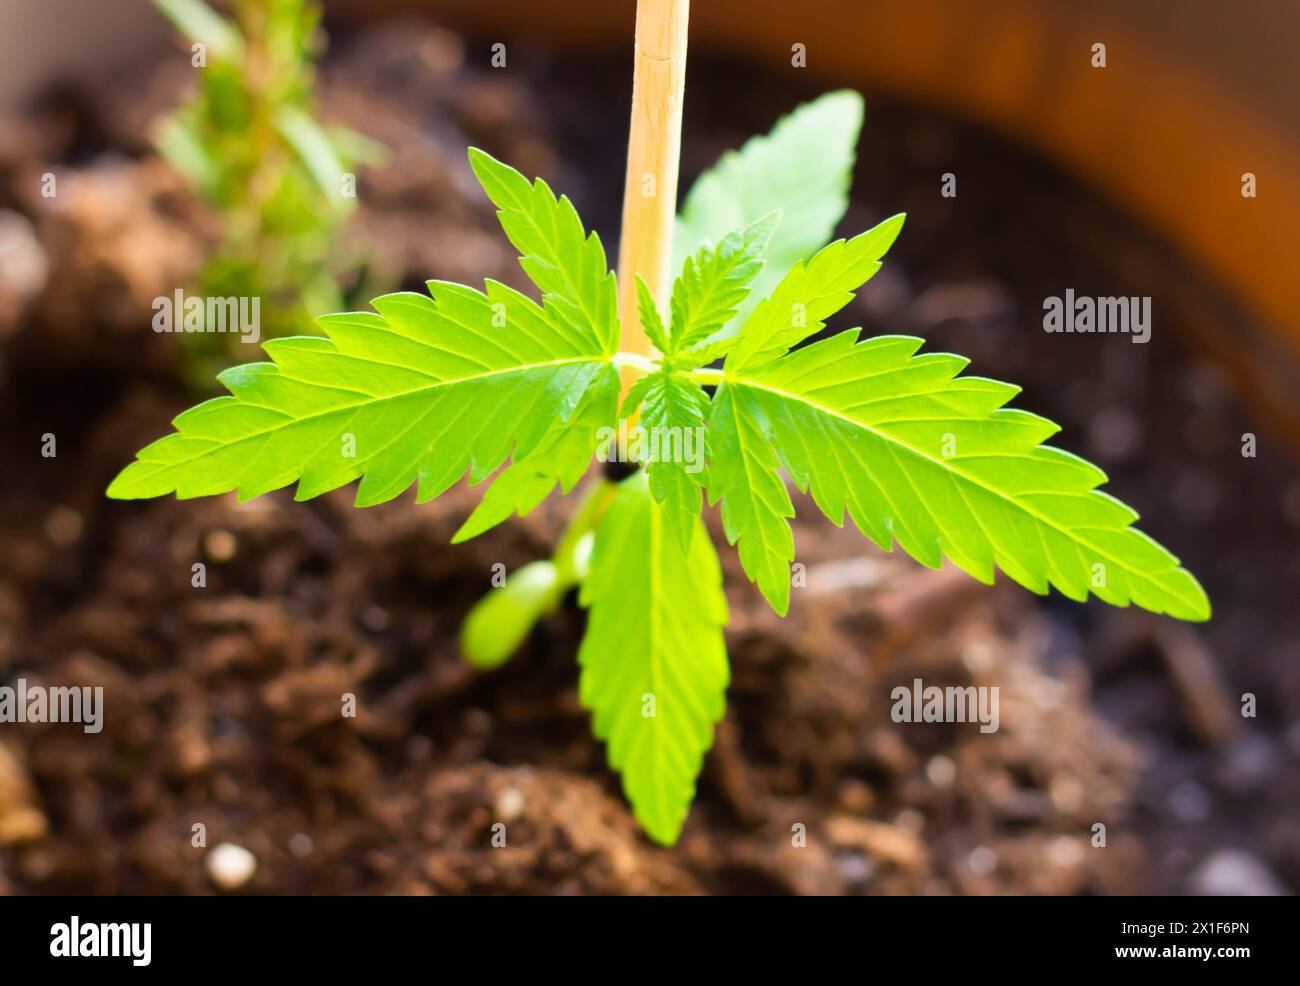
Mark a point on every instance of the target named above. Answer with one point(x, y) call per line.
point(281, 182)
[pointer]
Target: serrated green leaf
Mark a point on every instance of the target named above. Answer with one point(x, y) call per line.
point(714, 282)
point(635, 395)
point(653, 644)
point(561, 456)
point(428, 388)
point(569, 266)
point(431, 386)
point(651, 320)
point(809, 294)
point(802, 168)
point(756, 507)
point(673, 413)
point(916, 453)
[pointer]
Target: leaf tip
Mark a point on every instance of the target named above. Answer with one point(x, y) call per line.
point(1198, 608)
point(119, 488)
point(661, 830)
point(889, 229)
point(850, 99)
point(761, 229)
point(465, 532)
point(778, 596)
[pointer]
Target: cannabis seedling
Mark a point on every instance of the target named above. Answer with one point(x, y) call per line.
point(429, 387)
point(246, 140)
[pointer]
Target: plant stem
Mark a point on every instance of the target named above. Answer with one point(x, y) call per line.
point(654, 146)
point(705, 375)
point(568, 563)
point(635, 362)
point(638, 365)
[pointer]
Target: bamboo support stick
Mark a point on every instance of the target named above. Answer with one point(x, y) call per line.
point(654, 146)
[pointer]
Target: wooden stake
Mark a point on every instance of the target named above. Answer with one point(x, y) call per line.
point(654, 146)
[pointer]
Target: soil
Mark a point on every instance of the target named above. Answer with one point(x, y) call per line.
point(223, 701)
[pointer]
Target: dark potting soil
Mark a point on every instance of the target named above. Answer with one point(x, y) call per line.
point(223, 702)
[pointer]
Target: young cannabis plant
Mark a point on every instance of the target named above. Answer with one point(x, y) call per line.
point(428, 387)
point(247, 142)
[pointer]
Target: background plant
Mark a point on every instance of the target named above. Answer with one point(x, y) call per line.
point(279, 181)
